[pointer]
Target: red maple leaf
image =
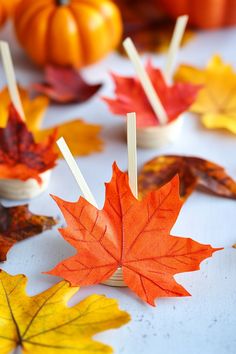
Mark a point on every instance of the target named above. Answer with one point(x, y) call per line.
point(130, 97)
point(65, 85)
point(133, 235)
point(20, 157)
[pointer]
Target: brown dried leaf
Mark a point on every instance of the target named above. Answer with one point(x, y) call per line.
point(194, 173)
point(18, 223)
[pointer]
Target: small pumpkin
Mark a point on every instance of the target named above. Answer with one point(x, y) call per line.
point(203, 13)
point(68, 32)
point(7, 8)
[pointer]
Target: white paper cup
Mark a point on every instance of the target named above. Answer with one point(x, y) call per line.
point(116, 279)
point(158, 136)
point(15, 189)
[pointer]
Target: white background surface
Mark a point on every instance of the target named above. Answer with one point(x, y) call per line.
point(204, 323)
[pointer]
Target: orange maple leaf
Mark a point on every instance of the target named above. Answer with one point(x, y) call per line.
point(133, 235)
point(20, 156)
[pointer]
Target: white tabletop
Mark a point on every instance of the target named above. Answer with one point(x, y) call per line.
point(204, 323)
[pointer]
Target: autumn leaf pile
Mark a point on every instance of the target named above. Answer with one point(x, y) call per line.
point(128, 234)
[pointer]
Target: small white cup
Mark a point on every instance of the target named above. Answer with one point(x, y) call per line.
point(116, 279)
point(158, 136)
point(15, 189)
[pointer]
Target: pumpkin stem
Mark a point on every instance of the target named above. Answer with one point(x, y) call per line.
point(62, 2)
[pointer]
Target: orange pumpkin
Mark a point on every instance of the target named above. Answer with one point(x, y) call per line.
point(6, 9)
point(68, 32)
point(203, 13)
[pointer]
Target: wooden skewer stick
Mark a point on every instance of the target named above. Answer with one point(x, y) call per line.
point(177, 37)
point(11, 78)
point(146, 82)
point(76, 171)
point(132, 153)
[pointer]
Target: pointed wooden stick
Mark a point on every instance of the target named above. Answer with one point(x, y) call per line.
point(11, 79)
point(132, 153)
point(177, 37)
point(146, 82)
point(76, 171)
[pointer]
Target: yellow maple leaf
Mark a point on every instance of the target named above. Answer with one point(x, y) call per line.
point(216, 102)
point(44, 324)
point(34, 108)
point(83, 138)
